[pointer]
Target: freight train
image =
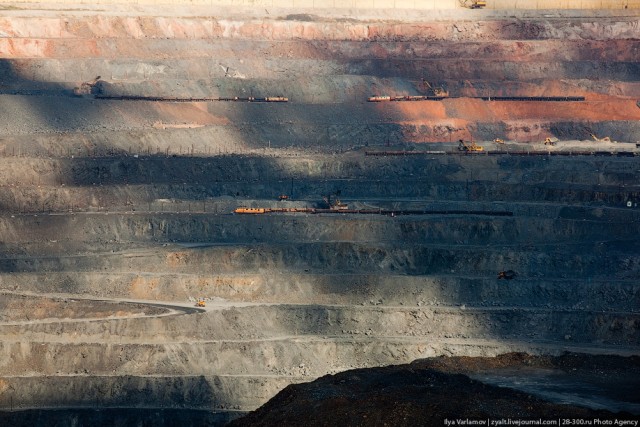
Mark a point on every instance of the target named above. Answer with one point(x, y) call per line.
point(173, 99)
point(389, 212)
point(386, 98)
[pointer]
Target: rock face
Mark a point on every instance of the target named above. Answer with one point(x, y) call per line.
point(116, 209)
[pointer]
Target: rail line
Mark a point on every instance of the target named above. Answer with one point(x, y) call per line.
point(533, 98)
point(386, 98)
point(504, 153)
point(388, 212)
point(370, 99)
point(172, 99)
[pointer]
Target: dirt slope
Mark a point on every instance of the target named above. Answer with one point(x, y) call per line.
point(430, 391)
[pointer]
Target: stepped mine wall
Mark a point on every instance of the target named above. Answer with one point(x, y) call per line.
point(379, 4)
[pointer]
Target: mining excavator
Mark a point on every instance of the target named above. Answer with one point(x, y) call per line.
point(473, 4)
point(432, 90)
point(469, 147)
point(335, 204)
point(507, 275)
point(86, 88)
point(550, 141)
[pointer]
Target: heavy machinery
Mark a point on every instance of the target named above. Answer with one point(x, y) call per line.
point(550, 141)
point(431, 90)
point(87, 88)
point(605, 139)
point(335, 204)
point(507, 275)
point(283, 197)
point(201, 303)
point(498, 141)
point(473, 4)
point(469, 147)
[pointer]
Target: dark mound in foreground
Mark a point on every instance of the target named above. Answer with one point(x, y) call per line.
point(429, 391)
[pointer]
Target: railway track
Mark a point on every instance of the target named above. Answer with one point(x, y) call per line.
point(403, 98)
point(505, 153)
point(388, 212)
point(172, 99)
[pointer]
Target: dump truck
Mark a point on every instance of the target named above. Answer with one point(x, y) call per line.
point(201, 303)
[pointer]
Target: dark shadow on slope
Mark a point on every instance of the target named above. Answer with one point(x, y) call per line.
point(243, 176)
point(123, 400)
point(107, 417)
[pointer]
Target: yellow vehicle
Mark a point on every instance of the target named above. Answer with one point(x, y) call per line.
point(379, 98)
point(550, 141)
point(605, 139)
point(473, 4)
point(498, 141)
point(200, 303)
point(469, 147)
point(434, 90)
point(276, 99)
point(335, 204)
point(246, 210)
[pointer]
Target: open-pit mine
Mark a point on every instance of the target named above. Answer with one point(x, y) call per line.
point(201, 204)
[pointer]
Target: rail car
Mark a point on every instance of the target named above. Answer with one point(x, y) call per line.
point(379, 98)
point(389, 212)
point(174, 99)
point(385, 98)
